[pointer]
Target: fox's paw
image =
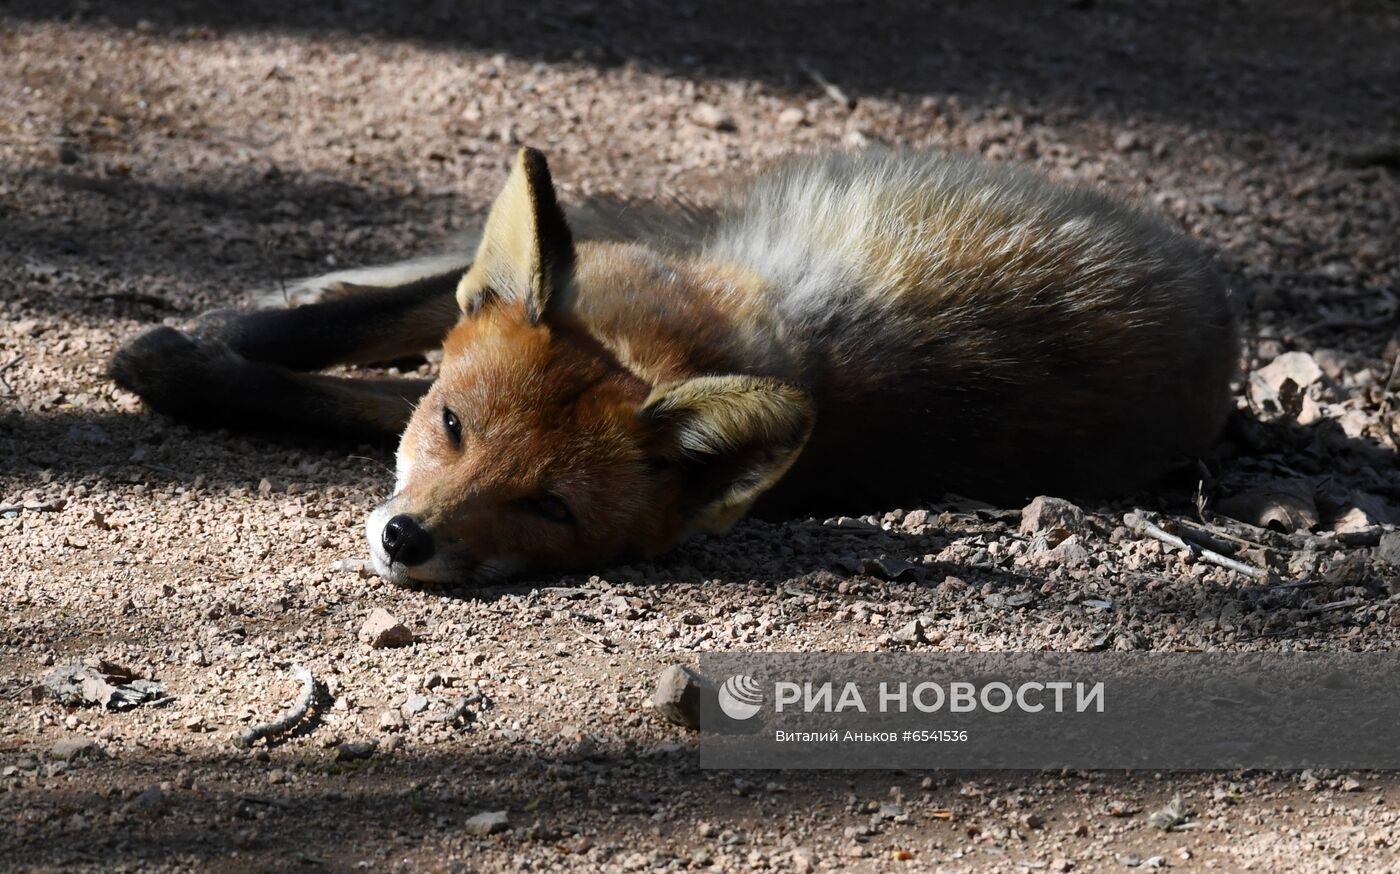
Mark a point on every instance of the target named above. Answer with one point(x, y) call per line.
point(174, 373)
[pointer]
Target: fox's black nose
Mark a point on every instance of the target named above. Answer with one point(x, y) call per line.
point(406, 541)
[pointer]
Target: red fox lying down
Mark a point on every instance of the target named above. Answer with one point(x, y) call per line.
point(848, 332)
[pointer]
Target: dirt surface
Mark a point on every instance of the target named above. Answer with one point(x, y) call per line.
point(160, 159)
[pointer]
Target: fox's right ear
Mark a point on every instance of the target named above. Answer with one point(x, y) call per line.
point(731, 437)
point(526, 252)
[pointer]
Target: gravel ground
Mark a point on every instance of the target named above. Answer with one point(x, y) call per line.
point(159, 159)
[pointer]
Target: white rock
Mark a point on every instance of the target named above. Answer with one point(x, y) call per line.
point(712, 117)
point(791, 117)
point(1297, 366)
point(488, 822)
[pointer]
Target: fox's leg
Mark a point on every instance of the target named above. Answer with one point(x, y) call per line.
point(207, 384)
point(240, 370)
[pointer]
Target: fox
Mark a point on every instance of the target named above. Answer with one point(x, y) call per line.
point(841, 333)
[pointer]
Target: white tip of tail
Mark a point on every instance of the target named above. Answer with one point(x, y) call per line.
point(318, 288)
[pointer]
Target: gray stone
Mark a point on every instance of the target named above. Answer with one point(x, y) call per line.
point(415, 704)
point(890, 810)
point(355, 750)
point(679, 691)
point(910, 632)
point(149, 802)
point(71, 749)
point(1388, 550)
point(95, 681)
point(1055, 518)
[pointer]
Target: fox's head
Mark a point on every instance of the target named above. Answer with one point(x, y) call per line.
point(538, 449)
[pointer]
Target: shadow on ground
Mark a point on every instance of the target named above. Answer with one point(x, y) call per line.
point(200, 238)
point(1118, 60)
point(238, 813)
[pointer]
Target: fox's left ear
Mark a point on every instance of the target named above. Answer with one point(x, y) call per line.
point(526, 252)
point(733, 438)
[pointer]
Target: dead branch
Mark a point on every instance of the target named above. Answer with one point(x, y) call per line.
point(1335, 605)
point(1139, 523)
point(460, 706)
point(1253, 535)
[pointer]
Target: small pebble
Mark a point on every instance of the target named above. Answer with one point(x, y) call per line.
point(381, 630)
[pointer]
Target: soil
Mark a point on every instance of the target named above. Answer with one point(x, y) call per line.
point(159, 159)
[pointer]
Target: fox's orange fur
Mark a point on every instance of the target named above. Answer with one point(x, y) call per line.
point(850, 332)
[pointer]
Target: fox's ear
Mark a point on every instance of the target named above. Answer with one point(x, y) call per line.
point(526, 252)
point(732, 437)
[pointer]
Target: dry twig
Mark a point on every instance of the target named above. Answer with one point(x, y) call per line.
point(1388, 394)
point(290, 717)
point(832, 89)
point(9, 389)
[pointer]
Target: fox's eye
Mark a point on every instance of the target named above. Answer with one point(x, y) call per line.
point(548, 507)
point(453, 426)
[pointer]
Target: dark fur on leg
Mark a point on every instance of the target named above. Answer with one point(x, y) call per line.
point(208, 384)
